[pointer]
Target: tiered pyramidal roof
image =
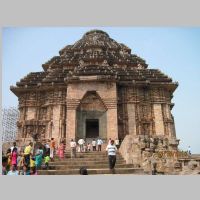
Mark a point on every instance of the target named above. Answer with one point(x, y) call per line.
point(95, 54)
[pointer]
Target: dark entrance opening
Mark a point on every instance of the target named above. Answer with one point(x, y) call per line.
point(92, 128)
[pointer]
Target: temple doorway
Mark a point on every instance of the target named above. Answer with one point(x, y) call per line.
point(92, 128)
point(91, 117)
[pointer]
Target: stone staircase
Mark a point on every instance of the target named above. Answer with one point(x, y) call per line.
point(95, 162)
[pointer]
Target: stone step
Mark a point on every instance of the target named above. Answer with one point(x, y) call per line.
point(85, 159)
point(88, 166)
point(92, 171)
point(89, 153)
point(87, 156)
point(95, 162)
point(84, 162)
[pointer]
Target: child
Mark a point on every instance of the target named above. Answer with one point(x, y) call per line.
point(4, 165)
point(25, 170)
point(32, 161)
point(61, 150)
point(85, 148)
point(33, 171)
point(8, 154)
point(78, 148)
point(46, 161)
point(20, 161)
point(89, 147)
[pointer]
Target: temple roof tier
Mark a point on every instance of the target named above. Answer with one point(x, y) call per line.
point(95, 54)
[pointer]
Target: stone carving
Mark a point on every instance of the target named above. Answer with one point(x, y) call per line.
point(29, 131)
point(43, 114)
point(41, 132)
point(91, 101)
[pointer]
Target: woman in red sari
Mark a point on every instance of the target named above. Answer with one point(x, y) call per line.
point(14, 156)
point(61, 149)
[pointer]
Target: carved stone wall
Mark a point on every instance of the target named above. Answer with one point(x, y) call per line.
point(42, 112)
point(144, 110)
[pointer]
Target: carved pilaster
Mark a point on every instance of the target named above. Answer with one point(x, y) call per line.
point(159, 125)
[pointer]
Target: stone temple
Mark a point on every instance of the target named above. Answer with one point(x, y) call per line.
point(96, 87)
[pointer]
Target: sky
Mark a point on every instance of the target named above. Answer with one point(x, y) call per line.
point(175, 51)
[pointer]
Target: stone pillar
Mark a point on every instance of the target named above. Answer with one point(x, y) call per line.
point(159, 125)
point(110, 99)
point(173, 129)
point(71, 125)
point(131, 118)
point(112, 127)
point(56, 121)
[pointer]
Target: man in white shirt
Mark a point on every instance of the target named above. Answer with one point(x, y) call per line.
point(47, 149)
point(73, 148)
point(81, 143)
point(14, 146)
point(111, 149)
point(94, 143)
point(99, 143)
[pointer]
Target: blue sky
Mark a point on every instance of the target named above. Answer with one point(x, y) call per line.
point(175, 51)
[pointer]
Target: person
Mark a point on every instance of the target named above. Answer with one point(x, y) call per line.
point(20, 160)
point(47, 149)
point(32, 161)
point(46, 161)
point(189, 150)
point(52, 148)
point(25, 170)
point(38, 157)
point(111, 149)
point(14, 157)
point(94, 143)
point(78, 148)
point(89, 147)
point(73, 148)
point(81, 143)
point(13, 171)
point(83, 171)
point(4, 165)
point(14, 146)
point(8, 155)
point(61, 149)
point(117, 143)
point(27, 152)
point(99, 143)
point(85, 148)
point(33, 171)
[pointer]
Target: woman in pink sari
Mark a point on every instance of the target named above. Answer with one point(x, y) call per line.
point(14, 156)
point(61, 150)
